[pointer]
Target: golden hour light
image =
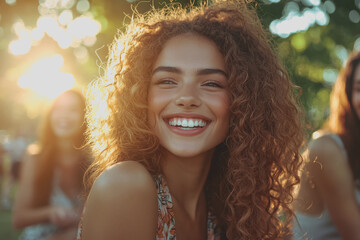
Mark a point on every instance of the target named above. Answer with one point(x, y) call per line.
point(20, 47)
point(46, 78)
point(84, 26)
point(65, 30)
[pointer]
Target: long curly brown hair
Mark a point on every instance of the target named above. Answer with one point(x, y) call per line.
point(254, 171)
point(343, 119)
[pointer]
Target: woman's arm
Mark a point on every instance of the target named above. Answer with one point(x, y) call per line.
point(333, 179)
point(66, 234)
point(24, 212)
point(121, 205)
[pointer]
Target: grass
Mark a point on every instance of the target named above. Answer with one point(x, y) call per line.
point(7, 231)
point(7, 191)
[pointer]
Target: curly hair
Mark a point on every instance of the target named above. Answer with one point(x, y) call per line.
point(343, 119)
point(255, 169)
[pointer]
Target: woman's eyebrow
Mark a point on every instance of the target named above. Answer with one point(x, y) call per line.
point(166, 69)
point(205, 71)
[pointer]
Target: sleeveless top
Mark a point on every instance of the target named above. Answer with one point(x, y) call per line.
point(166, 218)
point(307, 227)
point(43, 231)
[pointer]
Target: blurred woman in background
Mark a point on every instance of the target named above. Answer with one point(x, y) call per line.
point(48, 200)
point(328, 204)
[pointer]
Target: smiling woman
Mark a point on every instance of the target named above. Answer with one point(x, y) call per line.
point(202, 131)
point(189, 86)
point(48, 201)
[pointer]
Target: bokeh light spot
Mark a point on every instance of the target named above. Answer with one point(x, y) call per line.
point(357, 44)
point(294, 20)
point(354, 16)
point(20, 47)
point(84, 26)
point(83, 6)
point(49, 3)
point(322, 18)
point(89, 41)
point(65, 17)
point(330, 75)
point(37, 34)
point(81, 53)
point(46, 79)
point(10, 2)
point(329, 6)
point(341, 53)
point(299, 42)
point(357, 3)
point(67, 4)
point(311, 2)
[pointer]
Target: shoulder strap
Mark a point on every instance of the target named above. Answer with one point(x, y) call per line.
point(166, 216)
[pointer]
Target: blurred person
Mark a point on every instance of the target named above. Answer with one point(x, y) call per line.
point(6, 180)
point(2, 153)
point(2, 174)
point(2, 156)
point(328, 202)
point(15, 148)
point(48, 199)
point(201, 131)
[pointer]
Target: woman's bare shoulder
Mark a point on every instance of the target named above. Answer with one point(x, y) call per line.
point(326, 150)
point(328, 163)
point(122, 200)
point(123, 173)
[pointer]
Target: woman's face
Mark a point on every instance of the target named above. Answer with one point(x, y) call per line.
point(67, 116)
point(188, 100)
point(356, 91)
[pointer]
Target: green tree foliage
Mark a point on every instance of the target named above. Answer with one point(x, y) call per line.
point(314, 57)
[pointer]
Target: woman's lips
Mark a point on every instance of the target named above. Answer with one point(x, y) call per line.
point(187, 122)
point(187, 125)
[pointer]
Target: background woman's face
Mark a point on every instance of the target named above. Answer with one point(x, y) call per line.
point(188, 100)
point(356, 91)
point(67, 116)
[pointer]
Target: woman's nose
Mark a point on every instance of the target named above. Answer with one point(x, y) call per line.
point(188, 97)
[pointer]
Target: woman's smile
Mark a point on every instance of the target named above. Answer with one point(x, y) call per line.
point(188, 97)
point(187, 125)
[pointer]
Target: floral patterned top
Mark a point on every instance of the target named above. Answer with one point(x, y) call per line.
point(166, 218)
point(166, 221)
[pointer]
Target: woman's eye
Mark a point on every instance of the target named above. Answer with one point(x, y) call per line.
point(213, 84)
point(166, 82)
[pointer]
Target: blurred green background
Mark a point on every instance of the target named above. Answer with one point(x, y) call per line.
point(48, 46)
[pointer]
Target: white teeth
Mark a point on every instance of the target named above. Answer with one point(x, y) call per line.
point(184, 123)
point(196, 123)
point(187, 123)
point(191, 123)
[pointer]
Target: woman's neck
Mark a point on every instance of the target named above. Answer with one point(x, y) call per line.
point(64, 145)
point(66, 153)
point(186, 178)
